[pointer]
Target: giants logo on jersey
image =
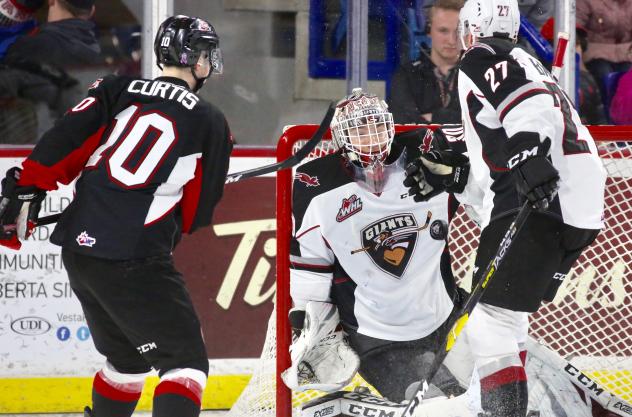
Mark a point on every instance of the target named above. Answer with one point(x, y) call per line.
point(390, 242)
point(350, 206)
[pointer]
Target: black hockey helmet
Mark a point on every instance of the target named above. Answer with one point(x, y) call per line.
point(181, 39)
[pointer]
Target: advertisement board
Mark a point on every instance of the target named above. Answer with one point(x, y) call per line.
point(47, 358)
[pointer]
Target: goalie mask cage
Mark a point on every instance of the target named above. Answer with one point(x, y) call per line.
point(589, 323)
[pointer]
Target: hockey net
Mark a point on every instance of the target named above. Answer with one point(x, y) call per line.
point(589, 323)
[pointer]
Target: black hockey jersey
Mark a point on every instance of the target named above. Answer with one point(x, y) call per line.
point(151, 157)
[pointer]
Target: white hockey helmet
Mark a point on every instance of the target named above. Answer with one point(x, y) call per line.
point(487, 18)
point(363, 129)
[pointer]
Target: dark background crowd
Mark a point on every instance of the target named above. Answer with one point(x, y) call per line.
point(51, 50)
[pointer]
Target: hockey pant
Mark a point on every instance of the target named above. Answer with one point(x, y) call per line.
point(394, 368)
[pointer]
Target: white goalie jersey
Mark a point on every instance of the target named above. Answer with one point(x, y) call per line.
point(381, 258)
point(504, 91)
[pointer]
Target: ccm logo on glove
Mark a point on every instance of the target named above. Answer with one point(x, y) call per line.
point(521, 156)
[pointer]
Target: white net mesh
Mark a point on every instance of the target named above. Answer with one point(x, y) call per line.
point(589, 322)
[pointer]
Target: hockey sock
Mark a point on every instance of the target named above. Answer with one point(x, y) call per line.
point(504, 393)
point(111, 398)
point(179, 393)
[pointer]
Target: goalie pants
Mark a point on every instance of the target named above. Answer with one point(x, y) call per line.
point(391, 367)
point(139, 312)
point(536, 264)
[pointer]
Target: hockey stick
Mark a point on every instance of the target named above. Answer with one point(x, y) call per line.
point(558, 57)
point(457, 322)
point(255, 172)
point(293, 160)
point(553, 368)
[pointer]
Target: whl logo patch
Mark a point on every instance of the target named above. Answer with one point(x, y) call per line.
point(350, 206)
point(85, 240)
point(390, 242)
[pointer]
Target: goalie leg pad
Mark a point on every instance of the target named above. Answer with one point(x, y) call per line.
point(321, 356)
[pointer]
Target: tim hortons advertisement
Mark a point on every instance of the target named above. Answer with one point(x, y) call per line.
point(228, 268)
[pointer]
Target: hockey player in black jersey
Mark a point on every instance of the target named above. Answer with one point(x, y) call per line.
point(365, 255)
point(525, 142)
point(150, 158)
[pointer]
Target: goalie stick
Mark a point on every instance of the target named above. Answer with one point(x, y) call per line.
point(569, 385)
point(458, 321)
point(250, 173)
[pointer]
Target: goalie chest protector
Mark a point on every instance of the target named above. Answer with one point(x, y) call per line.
point(384, 264)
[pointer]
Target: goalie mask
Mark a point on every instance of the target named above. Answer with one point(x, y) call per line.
point(362, 129)
point(489, 18)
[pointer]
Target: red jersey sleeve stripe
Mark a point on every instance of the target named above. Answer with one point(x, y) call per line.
point(191, 198)
point(64, 171)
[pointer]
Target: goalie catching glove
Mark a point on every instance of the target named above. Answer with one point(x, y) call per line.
point(441, 165)
point(321, 357)
point(435, 172)
point(19, 208)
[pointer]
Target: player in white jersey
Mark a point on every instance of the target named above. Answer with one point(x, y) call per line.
point(360, 242)
point(525, 141)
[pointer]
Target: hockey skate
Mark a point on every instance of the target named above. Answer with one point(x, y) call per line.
point(87, 412)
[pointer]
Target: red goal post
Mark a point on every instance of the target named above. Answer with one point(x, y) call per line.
point(591, 319)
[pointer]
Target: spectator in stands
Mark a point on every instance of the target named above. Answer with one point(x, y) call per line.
point(590, 103)
point(34, 73)
point(621, 104)
point(67, 39)
point(536, 11)
point(425, 90)
point(609, 36)
point(16, 18)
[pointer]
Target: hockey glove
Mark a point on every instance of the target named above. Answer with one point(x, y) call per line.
point(435, 172)
point(19, 209)
point(535, 176)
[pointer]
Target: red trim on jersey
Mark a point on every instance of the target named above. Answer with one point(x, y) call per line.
point(527, 94)
point(503, 377)
point(189, 389)
point(64, 171)
point(127, 163)
point(311, 266)
point(523, 357)
point(102, 387)
point(191, 198)
point(307, 231)
point(491, 165)
point(341, 280)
